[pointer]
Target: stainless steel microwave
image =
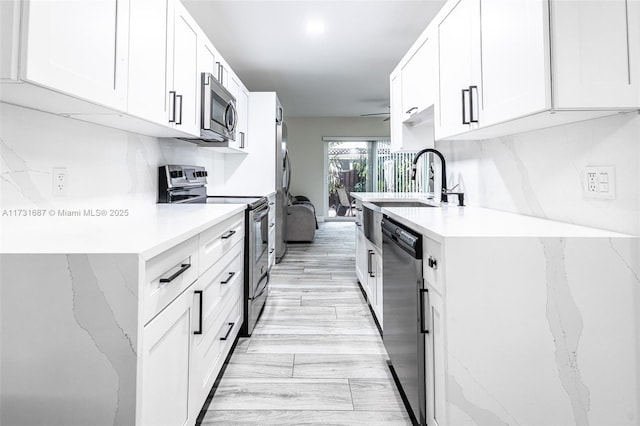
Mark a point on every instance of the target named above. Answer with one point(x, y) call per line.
point(219, 116)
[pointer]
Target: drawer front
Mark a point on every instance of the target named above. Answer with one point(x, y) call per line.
point(219, 239)
point(169, 274)
point(433, 263)
point(230, 327)
point(218, 280)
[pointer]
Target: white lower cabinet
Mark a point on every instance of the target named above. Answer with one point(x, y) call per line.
point(217, 320)
point(434, 358)
point(165, 365)
point(369, 271)
point(272, 229)
point(187, 342)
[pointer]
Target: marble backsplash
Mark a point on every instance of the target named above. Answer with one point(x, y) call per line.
point(104, 166)
point(539, 173)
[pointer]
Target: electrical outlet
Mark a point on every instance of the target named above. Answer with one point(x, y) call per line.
point(59, 181)
point(599, 182)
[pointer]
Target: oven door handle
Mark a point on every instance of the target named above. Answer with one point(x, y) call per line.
point(258, 215)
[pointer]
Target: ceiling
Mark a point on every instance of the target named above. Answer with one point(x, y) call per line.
point(343, 72)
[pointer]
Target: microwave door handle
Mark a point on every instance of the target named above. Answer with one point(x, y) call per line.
point(206, 101)
point(230, 125)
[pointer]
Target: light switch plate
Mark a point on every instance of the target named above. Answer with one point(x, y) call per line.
point(599, 182)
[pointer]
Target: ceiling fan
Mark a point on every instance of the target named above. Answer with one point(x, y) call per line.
point(378, 113)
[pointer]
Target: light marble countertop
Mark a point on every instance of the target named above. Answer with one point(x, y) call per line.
point(147, 230)
point(449, 220)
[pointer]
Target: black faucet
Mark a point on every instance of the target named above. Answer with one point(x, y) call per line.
point(443, 198)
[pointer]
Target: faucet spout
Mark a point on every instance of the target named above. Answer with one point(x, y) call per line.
point(443, 180)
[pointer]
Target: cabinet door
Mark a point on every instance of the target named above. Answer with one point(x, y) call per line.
point(378, 307)
point(148, 59)
point(397, 114)
point(419, 79)
point(185, 105)
point(459, 61)
point(243, 118)
point(515, 68)
point(434, 359)
point(596, 54)
point(361, 256)
point(78, 47)
point(165, 365)
point(9, 39)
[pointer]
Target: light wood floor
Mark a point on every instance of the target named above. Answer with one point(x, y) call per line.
point(315, 357)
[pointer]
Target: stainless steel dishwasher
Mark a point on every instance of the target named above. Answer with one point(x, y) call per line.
point(402, 312)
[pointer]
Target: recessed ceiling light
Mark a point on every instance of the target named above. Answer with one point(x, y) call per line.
point(315, 27)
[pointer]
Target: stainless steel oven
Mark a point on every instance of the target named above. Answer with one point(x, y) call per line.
point(258, 262)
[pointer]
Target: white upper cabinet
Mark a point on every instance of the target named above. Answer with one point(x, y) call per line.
point(243, 117)
point(596, 54)
point(184, 98)
point(508, 66)
point(515, 63)
point(396, 112)
point(419, 78)
point(78, 48)
point(459, 63)
point(148, 71)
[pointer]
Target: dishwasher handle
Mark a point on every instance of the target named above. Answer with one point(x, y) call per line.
point(423, 328)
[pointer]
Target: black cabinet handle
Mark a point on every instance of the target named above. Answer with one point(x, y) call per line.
point(370, 264)
point(231, 274)
point(179, 122)
point(172, 93)
point(199, 330)
point(464, 110)
point(228, 234)
point(423, 330)
point(242, 140)
point(183, 268)
point(471, 89)
point(410, 110)
point(226, 336)
point(432, 262)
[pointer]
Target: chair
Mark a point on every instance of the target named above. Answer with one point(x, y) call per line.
point(345, 204)
point(301, 220)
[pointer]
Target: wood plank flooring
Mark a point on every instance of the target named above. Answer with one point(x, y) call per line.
point(315, 357)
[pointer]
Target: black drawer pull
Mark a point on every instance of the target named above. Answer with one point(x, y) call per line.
point(228, 234)
point(199, 331)
point(183, 268)
point(231, 274)
point(226, 336)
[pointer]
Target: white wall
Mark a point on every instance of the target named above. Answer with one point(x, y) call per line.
point(104, 165)
point(539, 173)
point(306, 150)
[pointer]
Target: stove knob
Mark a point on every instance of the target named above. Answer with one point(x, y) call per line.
point(205, 173)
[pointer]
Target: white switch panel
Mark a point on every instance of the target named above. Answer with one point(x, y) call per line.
point(599, 182)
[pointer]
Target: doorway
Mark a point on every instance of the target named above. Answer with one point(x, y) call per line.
point(350, 166)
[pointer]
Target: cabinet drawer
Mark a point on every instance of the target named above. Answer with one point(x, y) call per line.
point(433, 264)
point(218, 239)
point(217, 281)
point(169, 274)
point(230, 327)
